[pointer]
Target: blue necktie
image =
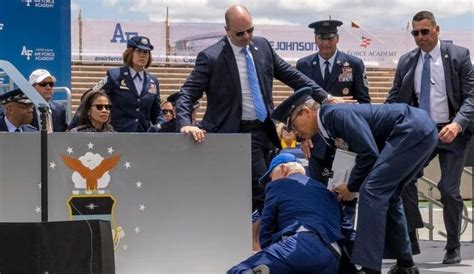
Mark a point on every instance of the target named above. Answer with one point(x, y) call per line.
point(17, 130)
point(326, 72)
point(425, 84)
point(260, 109)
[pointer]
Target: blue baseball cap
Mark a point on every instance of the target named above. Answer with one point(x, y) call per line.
point(140, 42)
point(281, 158)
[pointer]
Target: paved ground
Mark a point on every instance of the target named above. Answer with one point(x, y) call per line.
point(429, 261)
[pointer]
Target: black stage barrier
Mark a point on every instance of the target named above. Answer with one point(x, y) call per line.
point(57, 247)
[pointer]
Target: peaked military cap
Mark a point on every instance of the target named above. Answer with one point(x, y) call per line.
point(283, 112)
point(325, 28)
point(140, 42)
point(16, 96)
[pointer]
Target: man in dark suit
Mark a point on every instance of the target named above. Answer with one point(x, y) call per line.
point(392, 143)
point(44, 82)
point(443, 85)
point(18, 112)
point(237, 75)
point(300, 223)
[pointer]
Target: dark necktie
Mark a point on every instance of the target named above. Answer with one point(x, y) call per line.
point(17, 130)
point(137, 75)
point(326, 72)
point(425, 84)
point(260, 109)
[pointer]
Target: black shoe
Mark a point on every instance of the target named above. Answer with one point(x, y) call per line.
point(396, 269)
point(367, 271)
point(415, 248)
point(452, 256)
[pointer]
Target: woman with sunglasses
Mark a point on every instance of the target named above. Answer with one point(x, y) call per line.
point(134, 92)
point(95, 113)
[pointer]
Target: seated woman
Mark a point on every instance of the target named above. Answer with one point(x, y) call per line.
point(289, 143)
point(287, 137)
point(94, 115)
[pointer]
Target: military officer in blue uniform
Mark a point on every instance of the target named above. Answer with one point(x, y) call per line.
point(392, 143)
point(133, 92)
point(300, 223)
point(18, 112)
point(341, 75)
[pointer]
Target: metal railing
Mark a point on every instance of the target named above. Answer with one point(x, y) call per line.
point(465, 221)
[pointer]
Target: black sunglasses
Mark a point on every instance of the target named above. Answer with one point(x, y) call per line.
point(44, 84)
point(241, 33)
point(100, 107)
point(168, 111)
point(423, 32)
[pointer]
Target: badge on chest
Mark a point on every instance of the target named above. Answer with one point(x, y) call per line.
point(346, 75)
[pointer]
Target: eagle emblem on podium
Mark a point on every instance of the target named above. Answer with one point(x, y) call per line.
point(90, 199)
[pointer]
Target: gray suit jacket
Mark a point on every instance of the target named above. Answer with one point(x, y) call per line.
point(459, 82)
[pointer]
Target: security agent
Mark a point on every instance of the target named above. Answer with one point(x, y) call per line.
point(437, 76)
point(392, 143)
point(18, 112)
point(300, 223)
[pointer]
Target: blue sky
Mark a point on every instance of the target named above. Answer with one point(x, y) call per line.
point(452, 15)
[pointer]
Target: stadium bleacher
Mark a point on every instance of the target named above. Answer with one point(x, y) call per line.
point(85, 75)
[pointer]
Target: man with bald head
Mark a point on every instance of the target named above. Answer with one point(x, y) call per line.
point(236, 73)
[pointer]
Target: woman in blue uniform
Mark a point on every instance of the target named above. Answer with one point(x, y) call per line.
point(134, 93)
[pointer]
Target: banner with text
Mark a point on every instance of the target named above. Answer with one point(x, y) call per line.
point(42, 40)
point(105, 40)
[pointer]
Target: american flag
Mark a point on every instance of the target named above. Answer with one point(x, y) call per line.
point(365, 41)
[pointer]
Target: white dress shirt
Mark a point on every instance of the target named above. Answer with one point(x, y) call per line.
point(248, 108)
point(438, 97)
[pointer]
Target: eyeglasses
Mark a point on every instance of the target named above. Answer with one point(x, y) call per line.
point(44, 84)
point(423, 32)
point(141, 51)
point(292, 118)
point(241, 33)
point(100, 107)
point(168, 111)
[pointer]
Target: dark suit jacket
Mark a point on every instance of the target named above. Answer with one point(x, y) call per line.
point(25, 128)
point(459, 79)
point(58, 116)
point(366, 128)
point(356, 86)
point(131, 112)
point(299, 201)
point(216, 74)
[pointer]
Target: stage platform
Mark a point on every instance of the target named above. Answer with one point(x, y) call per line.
point(429, 261)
